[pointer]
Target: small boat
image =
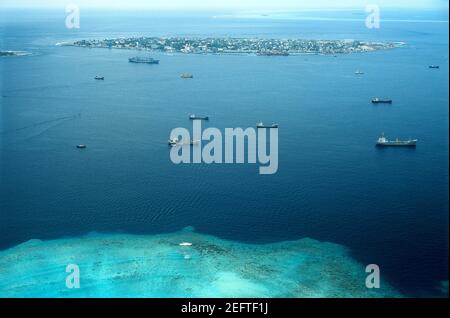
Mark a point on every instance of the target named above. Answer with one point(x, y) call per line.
point(99, 78)
point(194, 142)
point(192, 117)
point(377, 100)
point(173, 142)
point(81, 146)
point(384, 142)
point(185, 244)
point(261, 125)
point(358, 72)
point(186, 75)
point(433, 66)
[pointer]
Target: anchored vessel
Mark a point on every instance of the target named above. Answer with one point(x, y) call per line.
point(145, 60)
point(384, 142)
point(173, 142)
point(377, 100)
point(192, 117)
point(261, 125)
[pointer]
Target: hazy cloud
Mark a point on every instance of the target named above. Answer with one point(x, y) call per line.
point(227, 4)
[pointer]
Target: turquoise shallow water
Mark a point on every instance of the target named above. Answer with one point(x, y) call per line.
point(120, 265)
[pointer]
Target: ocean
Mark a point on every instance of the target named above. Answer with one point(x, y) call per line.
point(387, 206)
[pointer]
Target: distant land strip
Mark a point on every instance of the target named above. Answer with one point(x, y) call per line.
point(258, 46)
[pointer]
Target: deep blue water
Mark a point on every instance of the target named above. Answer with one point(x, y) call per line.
point(389, 206)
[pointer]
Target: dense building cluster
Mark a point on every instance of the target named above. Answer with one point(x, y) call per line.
point(237, 45)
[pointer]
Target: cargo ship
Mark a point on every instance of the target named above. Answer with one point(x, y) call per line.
point(261, 125)
point(192, 117)
point(377, 100)
point(144, 60)
point(384, 142)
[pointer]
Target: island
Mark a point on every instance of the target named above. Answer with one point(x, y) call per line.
point(257, 46)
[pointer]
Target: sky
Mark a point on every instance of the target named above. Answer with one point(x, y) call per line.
point(227, 4)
